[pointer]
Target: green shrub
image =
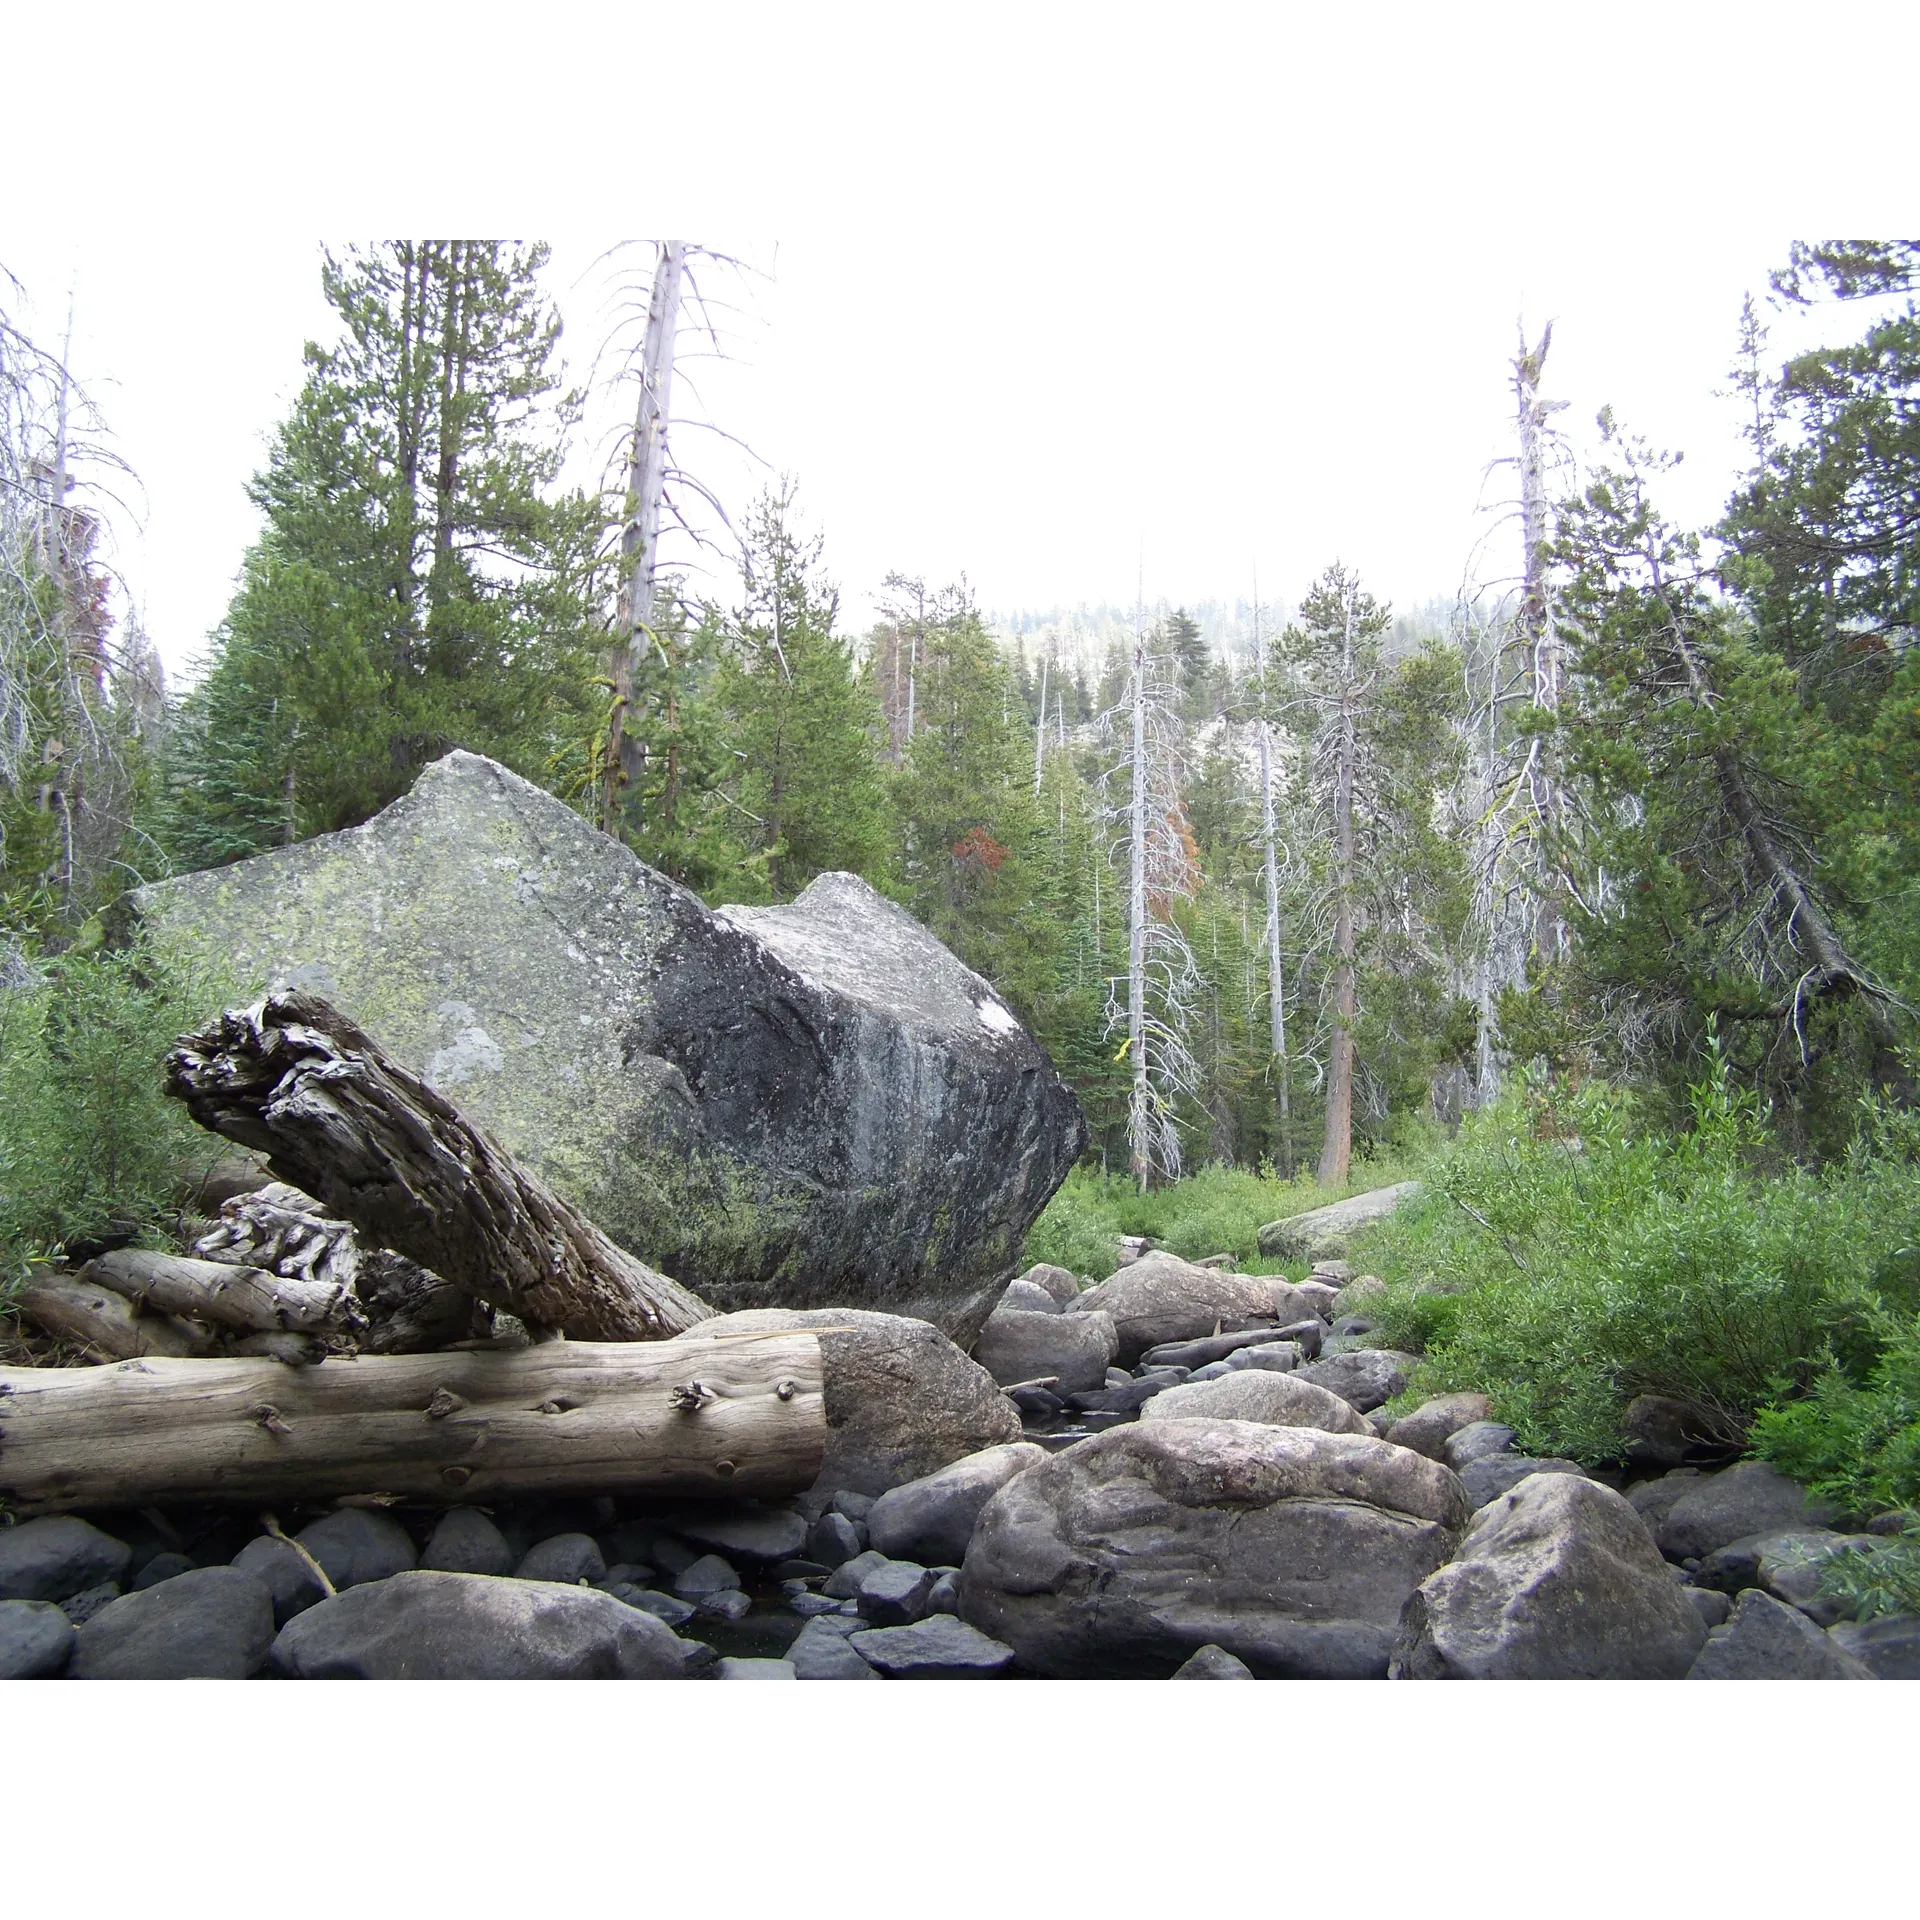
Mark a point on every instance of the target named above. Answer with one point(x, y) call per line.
point(1882, 1578)
point(1562, 1261)
point(1854, 1442)
point(89, 1142)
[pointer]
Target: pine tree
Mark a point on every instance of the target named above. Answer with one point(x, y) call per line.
point(418, 586)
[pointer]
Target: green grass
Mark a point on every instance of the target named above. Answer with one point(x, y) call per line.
point(1217, 1210)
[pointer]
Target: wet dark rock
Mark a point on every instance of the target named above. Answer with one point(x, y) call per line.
point(1712, 1607)
point(709, 1574)
point(215, 1623)
point(663, 1606)
point(894, 1594)
point(356, 1545)
point(844, 1582)
point(930, 1521)
point(283, 1572)
point(748, 1536)
point(56, 1556)
point(1486, 1479)
point(728, 1604)
point(833, 1539)
point(465, 1540)
point(824, 1652)
point(1767, 1640)
point(163, 1566)
point(81, 1607)
point(1037, 1403)
point(1213, 1663)
point(939, 1647)
point(568, 1558)
point(462, 1626)
point(36, 1639)
point(809, 1104)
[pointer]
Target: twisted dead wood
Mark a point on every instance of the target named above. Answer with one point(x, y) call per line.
point(295, 1079)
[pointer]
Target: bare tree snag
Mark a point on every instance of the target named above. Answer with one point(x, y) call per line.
point(296, 1080)
point(740, 1416)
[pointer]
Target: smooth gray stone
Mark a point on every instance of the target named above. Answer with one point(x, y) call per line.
point(937, 1648)
point(567, 1558)
point(36, 1639)
point(755, 1669)
point(709, 1574)
point(1214, 1663)
point(464, 1540)
point(356, 1545)
point(215, 1623)
point(57, 1556)
point(1767, 1640)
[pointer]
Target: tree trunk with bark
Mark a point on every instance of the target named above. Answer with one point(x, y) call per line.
point(1336, 1148)
point(741, 1416)
point(297, 1081)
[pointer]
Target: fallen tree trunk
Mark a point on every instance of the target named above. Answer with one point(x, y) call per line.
point(296, 1080)
point(102, 1321)
point(247, 1298)
point(739, 1416)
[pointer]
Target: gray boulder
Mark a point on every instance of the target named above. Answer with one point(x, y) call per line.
point(902, 1401)
point(806, 1105)
point(749, 1536)
point(466, 1626)
point(1767, 1640)
point(464, 1540)
point(932, 1520)
point(833, 1539)
point(844, 1582)
point(1022, 1296)
point(1054, 1281)
point(1556, 1581)
point(57, 1556)
point(284, 1573)
point(709, 1574)
point(1653, 1500)
point(939, 1647)
point(1161, 1298)
point(822, 1651)
point(1488, 1478)
point(1213, 1663)
point(1431, 1424)
point(1292, 1548)
point(1073, 1348)
point(1720, 1508)
point(215, 1623)
point(1219, 1346)
point(356, 1545)
point(895, 1593)
point(1364, 1380)
point(1272, 1399)
point(1477, 1440)
point(36, 1639)
point(1276, 1356)
point(1888, 1647)
point(751, 1668)
point(568, 1558)
point(1331, 1230)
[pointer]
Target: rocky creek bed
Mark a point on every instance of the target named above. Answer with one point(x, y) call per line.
point(1205, 1488)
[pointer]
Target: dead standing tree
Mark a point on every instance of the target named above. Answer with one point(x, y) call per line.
point(1162, 984)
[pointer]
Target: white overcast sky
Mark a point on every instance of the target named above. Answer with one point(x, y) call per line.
point(1054, 296)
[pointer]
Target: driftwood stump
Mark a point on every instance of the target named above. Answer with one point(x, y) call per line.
point(296, 1080)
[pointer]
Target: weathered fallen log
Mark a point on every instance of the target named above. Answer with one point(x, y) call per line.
point(247, 1298)
point(742, 1416)
point(103, 1322)
point(296, 1080)
point(389, 1304)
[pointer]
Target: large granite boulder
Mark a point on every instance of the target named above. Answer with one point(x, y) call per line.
point(808, 1105)
point(1292, 1549)
point(1558, 1580)
point(1271, 1399)
point(1329, 1231)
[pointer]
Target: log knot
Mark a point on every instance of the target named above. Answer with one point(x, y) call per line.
point(444, 1402)
point(268, 1416)
point(692, 1397)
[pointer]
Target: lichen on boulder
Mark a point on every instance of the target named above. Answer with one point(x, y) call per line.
point(798, 1106)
